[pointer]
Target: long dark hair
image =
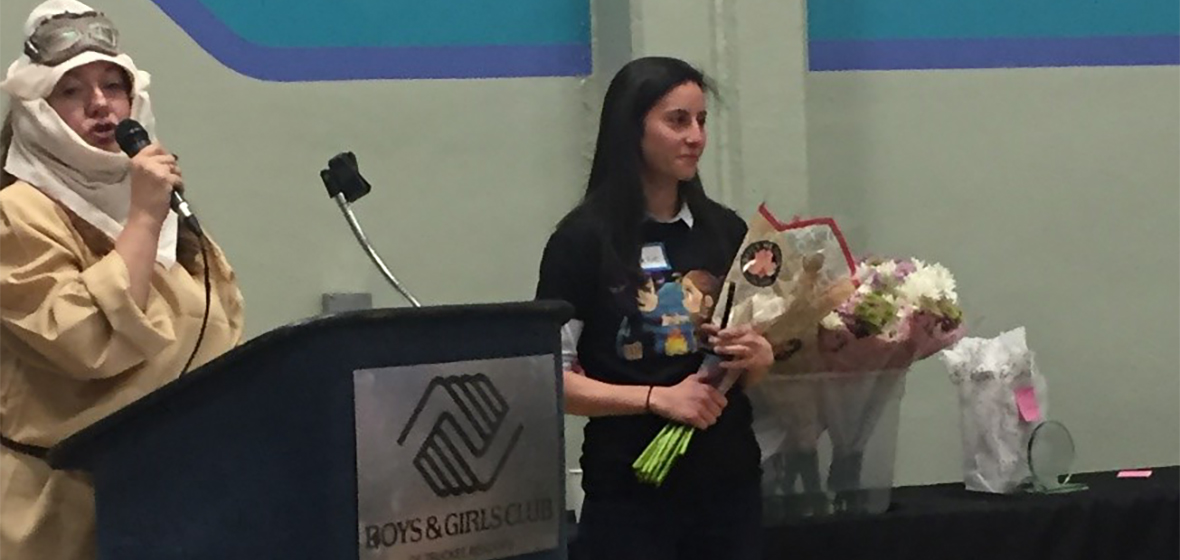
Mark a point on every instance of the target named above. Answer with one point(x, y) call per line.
point(614, 199)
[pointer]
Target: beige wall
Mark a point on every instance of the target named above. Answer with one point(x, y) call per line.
point(1054, 196)
point(468, 176)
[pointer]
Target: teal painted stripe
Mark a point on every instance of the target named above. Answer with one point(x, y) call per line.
point(978, 19)
point(403, 23)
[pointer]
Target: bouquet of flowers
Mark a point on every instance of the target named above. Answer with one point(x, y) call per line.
point(784, 280)
point(903, 311)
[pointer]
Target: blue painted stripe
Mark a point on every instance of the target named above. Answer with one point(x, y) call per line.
point(409, 63)
point(921, 54)
point(977, 19)
point(361, 63)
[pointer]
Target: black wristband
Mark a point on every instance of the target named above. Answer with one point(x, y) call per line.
point(647, 401)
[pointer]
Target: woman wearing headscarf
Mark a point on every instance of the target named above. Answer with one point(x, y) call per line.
point(103, 295)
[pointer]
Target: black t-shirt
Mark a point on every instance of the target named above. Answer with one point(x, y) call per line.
point(656, 344)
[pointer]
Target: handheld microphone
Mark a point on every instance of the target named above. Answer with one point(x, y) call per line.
point(132, 138)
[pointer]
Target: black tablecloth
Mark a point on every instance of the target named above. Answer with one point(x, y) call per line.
point(1117, 519)
point(1123, 519)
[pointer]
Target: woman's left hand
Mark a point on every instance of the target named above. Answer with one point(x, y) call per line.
point(743, 347)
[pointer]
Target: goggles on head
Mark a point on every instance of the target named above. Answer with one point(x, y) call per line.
point(65, 36)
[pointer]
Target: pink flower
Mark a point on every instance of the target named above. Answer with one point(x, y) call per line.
point(905, 268)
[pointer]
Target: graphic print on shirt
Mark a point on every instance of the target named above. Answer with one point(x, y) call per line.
point(671, 308)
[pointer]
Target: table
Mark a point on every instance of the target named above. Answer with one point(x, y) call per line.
point(1123, 519)
point(1117, 519)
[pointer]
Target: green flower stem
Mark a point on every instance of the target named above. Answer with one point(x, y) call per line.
point(657, 460)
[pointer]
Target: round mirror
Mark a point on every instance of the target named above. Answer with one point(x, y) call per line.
point(1050, 455)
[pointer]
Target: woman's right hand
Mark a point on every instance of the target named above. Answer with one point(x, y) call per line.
point(692, 401)
point(153, 176)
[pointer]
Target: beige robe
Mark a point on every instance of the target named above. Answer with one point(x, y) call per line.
point(74, 348)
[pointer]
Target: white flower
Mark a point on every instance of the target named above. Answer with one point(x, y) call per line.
point(887, 268)
point(944, 281)
point(832, 321)
point(864, 272)
point(929, 281)
point(916, 286)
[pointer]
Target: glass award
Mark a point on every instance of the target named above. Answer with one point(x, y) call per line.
point(1051, 455)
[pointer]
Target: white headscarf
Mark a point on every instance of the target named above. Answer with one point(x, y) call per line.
point(94, 184)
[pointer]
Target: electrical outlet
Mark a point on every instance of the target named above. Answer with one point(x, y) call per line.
point(340, 302)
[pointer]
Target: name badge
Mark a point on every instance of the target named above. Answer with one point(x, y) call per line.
point(653, 259)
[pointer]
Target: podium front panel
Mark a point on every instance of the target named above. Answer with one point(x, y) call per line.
point(255, 455)
point(458, 460)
